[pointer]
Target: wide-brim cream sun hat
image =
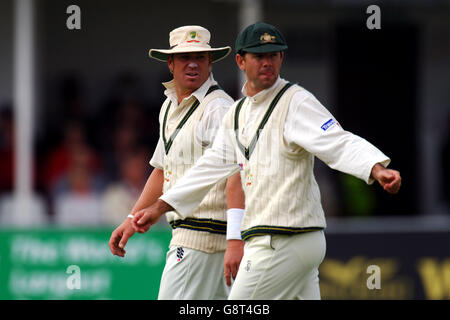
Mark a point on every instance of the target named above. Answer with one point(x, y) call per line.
point(189, 39)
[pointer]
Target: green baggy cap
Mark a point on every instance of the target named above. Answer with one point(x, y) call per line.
point(260, 37)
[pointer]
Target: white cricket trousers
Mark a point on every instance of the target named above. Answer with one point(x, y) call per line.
point(193, 275)
point(276, 267)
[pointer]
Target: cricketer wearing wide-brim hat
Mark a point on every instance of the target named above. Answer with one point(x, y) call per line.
point(190, 39)
point(189, 119)
point(272, 136)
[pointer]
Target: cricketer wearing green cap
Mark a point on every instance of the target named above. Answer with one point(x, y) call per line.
point(272, 136)
point(260, 38)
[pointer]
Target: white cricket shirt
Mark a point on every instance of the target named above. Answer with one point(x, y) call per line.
point(309, 126)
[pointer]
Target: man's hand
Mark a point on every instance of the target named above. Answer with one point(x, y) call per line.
point(119, 238)
point(232, 259)
point(389, 179)
point(147, 217)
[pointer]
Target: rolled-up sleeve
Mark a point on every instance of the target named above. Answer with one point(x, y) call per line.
point(312, 127)
point(157, 160)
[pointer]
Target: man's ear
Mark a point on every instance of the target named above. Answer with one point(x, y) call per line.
point(210, 62)
point(170, 63)
point(240, 61)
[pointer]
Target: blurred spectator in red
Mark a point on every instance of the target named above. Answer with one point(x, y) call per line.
point(76, 194)
point(123, 141)
point(121, 195)
point(74, 179)
point(6, 149)
point(60, 160)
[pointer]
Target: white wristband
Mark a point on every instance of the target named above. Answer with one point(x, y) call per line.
point(234, 219)
point(130, 216)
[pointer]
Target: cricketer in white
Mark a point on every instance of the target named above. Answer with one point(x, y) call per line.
point(339, 149)
point(272, 136)
point(268, 220)
point(189, 116)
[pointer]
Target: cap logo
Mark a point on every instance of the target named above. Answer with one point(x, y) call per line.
point(267, 38)
point(192, 35)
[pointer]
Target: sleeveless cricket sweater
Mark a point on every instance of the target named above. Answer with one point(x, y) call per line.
point(205, 230)
point(281, 193)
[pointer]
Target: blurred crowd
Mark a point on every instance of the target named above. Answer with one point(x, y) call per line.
point(91, 163)
point(89, 167)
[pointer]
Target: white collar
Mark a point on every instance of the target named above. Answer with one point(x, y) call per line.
point(260, 96)
point(199, 94)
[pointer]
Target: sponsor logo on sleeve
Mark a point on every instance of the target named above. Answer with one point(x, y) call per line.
point(328, 124)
